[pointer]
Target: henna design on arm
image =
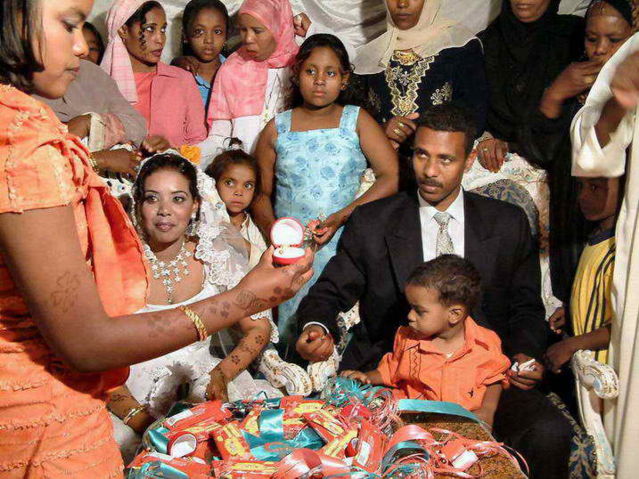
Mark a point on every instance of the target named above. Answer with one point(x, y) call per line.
point(247, 350)
point(66, 291)
point(162, 326)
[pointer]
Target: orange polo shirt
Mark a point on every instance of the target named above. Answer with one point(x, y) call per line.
point(420, 371)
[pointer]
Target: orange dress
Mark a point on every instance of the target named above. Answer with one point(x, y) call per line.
point(420, 371)
point(53, 421)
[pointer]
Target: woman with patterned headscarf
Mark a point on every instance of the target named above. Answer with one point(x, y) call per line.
point(423, 59)
point(546, 142)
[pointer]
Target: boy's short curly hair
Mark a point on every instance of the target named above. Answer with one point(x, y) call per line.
point(455, 279)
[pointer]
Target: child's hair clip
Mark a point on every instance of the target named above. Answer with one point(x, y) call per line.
point(232, 143)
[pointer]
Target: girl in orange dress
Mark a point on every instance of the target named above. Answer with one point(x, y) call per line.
point(71, 268)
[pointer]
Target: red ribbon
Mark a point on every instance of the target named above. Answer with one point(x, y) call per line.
point(306, 462)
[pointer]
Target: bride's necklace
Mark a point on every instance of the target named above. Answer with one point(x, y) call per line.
point(171, 272)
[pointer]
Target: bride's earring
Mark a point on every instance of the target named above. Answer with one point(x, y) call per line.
point(190, 230)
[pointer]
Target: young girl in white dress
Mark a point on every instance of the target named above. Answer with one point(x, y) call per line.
point(237, 180)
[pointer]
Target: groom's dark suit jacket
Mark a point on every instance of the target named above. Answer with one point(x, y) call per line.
point(382, 244)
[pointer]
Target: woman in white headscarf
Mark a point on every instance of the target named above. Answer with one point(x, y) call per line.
point(422, 59)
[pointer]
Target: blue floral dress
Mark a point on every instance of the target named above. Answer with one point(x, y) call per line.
point(317, 173)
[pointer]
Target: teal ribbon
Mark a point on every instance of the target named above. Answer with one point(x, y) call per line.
point(271, 445)
point(402, 448)
point(265, 450)
point(435, 407)
point(178, 407)
point(158, 440)
point(156, 470)
point(271, 423)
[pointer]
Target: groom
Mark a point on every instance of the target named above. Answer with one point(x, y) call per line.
point(386, 239)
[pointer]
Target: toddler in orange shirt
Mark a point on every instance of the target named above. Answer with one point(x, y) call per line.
point(443, 355)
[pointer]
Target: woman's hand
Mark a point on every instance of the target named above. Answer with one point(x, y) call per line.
point(575, 79)
point(218, 386)
point(80, 126)
point(301, 24)
point(188, 63)
point(118, 161)
point(267, 285)
point(491, 153)
point(399, 128)
point(154, 144)
point(323, 231)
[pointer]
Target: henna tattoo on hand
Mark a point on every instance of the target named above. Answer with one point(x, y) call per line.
point(66, 293)
point(246, 300)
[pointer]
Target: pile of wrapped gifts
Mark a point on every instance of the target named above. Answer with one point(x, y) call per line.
point(349, 431)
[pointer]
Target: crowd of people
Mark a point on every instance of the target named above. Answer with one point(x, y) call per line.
point(137, 201)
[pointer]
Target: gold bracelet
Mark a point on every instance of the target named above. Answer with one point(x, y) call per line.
point(132, 413)
point(202, 333)
point(93, 162)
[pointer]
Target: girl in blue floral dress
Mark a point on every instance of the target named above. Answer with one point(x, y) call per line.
point(312, 158)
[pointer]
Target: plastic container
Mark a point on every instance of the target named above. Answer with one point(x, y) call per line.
point(287, 236)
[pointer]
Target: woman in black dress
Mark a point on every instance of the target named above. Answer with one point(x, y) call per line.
point(545, 137)
point(421, 60)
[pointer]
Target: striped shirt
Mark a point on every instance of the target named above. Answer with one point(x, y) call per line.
point(591, 302)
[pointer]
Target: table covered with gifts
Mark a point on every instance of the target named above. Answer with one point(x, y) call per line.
point(350, 430)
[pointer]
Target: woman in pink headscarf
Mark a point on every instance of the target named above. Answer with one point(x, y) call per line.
point(167, 97)
point(252, 85)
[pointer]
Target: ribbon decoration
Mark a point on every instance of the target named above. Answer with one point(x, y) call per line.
point(303, 463)
point(271, 445)
point(153, 470)
point(435, 407)
point(369, 412)
point(158, 440)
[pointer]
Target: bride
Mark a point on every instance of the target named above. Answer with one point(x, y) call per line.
point(193, 252)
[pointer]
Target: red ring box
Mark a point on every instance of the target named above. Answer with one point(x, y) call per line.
point(287, 236)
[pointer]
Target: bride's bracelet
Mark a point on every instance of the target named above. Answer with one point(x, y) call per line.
point(132, 413)
point(202, 333)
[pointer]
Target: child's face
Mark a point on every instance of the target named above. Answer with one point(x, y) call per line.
point(145, 42)
point(93, 54)
point(167, 207)
point(236, 187)
point(258, 40)
point(320, 77)
point(207, 34)
point(598, 197)
point(427, 316)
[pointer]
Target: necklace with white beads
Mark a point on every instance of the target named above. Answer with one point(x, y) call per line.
point(171, 272)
